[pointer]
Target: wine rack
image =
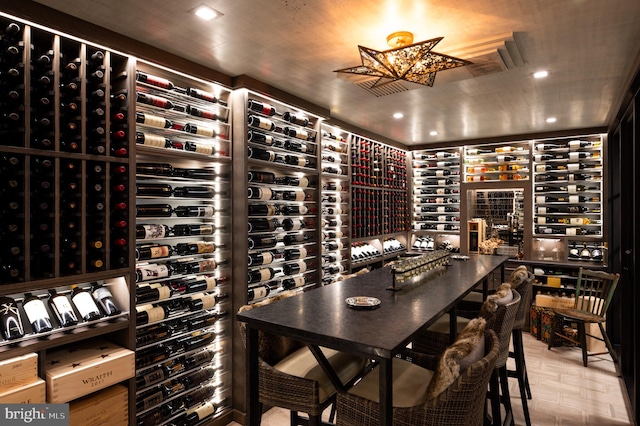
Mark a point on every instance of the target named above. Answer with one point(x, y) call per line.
point(568, 187)
point(496, 162)
point(57, 159)
point(183, 247)
point(64, 273)
point(283, 197)
point(335, 203)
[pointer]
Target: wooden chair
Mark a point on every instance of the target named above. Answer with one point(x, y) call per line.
point(461, 403)
point(594, 291)
point(290, 377)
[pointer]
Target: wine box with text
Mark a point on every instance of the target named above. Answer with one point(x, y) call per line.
point(106, 407)
point(18, 371)
point(31, 393)
point(81, 369)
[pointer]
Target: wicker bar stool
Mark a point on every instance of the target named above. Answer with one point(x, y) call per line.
point(429, 390)
point(500, 310)
point(290, 377)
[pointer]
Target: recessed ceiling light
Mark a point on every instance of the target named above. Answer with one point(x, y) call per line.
point(205, 12)
point(540, 74)
point(433, 133)
point(398, 115)
point(551, 120)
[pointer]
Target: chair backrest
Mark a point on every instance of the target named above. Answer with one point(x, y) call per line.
point(502, 325)
point(271, 347)
point(463, 401)
point(594, 291)
point(525, 289)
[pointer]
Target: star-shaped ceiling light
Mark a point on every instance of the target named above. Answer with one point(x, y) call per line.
point(405, 61)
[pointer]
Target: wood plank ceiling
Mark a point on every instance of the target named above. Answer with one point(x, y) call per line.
point(589, 47)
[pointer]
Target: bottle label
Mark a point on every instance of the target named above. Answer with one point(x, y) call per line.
point(303, 266)
point(204, 230)
point(204, 211)
point(299, 195)
point(259, 292)
point(571, 231)
point(208, 300)
point(574, 198)
point(211, 283)
point(442, 218)
point(574, 155)
point(576, 221)
point(541, 167)
point(204, 149)
point(572, 167)
point(302, 161)
point(266, 109)
point(267, 258)
point(303, 209)
point(62, 305)
point(152, 399)
point(155, 121)
point(159, 251)
point(156, 314)
point(440, 227)
point(153, 377)
point(205, 131)
point(542, 210)
point(440, 191)
point(439, 173)
point(303, 252)
point(154, 271)
point(572, 189)
point(207, 265)
point(154, 140)
point(541, 220)
point(441, 209)
point(265, 274)
point(265, 124)
point(85, 304)
point(35, 310)
point(540, 199)
point(205, 247)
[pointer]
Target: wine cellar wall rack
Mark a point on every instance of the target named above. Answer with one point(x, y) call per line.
point(183, 248)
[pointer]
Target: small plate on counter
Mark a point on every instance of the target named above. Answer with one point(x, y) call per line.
point(363, 302)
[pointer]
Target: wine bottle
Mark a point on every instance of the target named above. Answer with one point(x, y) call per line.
point(154, 189)
point(295, 146)
point(206, 96)
point(153, 271)
point(36, 313)
point(157, 101)
point(259, 259)
point(294, 209)
point(154, 80)
point(151, 232)
point(261, 123)
point(193, 229)
point(153, 140)
point(261, 177)
point(201, 283)
point(256, 242)
point(148, 294)
point(195, 211)
point(105, 300)
point(260, 193)
point(85, 304)
point(262, 209)
point(153, 120)
point(156, 251)
point(154, 210)
point(478, 151)
point(295, 253)
point(10, 321)
point(295, 239)
point(196, 378)
point(62, 309)
point(260, 154)
point(198, 129)
point(296, 133)
point(148, 314)
point(262, 107)
point(200, 358)
point(295, 267)
point(261, 138)
point(204, 301)
point(300, 161)
point(263, 225)
point(194, 192)
point(263, 274)
point(291, 283)
point(199, 247)
point(289, 224)
point(258, 292)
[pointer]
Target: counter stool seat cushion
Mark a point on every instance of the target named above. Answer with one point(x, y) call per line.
point(303, 364)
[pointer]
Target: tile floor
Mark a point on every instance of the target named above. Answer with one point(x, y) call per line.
point(564, 392)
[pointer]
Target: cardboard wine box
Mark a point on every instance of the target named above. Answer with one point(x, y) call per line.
point(106, 407)
point(85, 367)
point(31, 393)
point(18, 371)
